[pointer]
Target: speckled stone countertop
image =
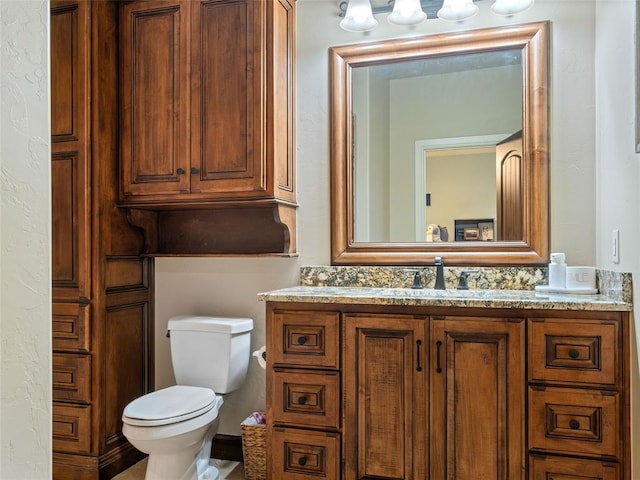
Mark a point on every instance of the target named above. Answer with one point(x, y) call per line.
point(511, 287)
point(523, 299)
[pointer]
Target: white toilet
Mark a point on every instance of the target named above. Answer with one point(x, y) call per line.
point(176, 425)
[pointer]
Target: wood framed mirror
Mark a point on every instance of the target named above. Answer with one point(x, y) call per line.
point(457, 121)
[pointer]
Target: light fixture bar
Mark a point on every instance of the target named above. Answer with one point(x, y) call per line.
point(430, 7)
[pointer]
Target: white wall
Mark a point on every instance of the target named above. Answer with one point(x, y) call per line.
point(25, 279)
point(225, 286)
point(617, 164)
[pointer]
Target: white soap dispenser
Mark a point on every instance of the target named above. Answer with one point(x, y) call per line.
point(557, 271)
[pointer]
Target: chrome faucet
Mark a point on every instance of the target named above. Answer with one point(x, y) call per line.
point(439, 274)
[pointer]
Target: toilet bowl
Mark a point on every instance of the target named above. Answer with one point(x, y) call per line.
point(175, 426)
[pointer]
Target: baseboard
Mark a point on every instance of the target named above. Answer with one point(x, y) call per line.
point(227, 447)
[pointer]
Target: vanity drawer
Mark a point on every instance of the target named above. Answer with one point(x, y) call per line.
point(306, 398)
point(71, 377)
point(301, 455)
point(546, 468)
point(574, 421)
point(573, 351)
point(71, 428)
point(305, 338)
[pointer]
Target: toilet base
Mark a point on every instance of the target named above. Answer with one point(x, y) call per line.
point(211, 473)
point(159, 469)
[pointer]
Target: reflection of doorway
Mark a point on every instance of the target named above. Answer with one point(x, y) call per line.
point(509, 188)
point(453, 177)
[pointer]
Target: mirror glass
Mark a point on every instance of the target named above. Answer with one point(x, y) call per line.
point(439, 148)
point(425, 141)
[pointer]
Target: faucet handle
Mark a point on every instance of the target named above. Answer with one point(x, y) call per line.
point(462, 282)
point(417, 279)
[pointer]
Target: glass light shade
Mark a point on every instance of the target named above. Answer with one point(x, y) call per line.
point(359, 17)
point(407, 12)
point(457, 10)
point(511, 7)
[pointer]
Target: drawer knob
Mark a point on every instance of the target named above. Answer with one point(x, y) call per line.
point(302, 400)
point(302, 461)
point(302, 340)
point(574, 424)
point(573, 353)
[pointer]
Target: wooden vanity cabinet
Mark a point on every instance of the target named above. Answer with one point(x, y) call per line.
point(446, 393)
point(102, 292)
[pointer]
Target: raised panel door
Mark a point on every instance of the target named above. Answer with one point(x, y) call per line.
point(227, 102)
point(385, 397)
point(154, 98)
point(477, 399)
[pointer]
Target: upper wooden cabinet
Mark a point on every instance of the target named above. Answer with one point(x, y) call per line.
point(206, 102)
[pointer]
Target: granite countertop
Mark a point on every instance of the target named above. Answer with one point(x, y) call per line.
point(522, 299)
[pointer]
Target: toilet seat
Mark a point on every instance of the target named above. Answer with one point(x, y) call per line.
point(168, 406)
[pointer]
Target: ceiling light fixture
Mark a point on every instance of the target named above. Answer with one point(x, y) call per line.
point(358, 15)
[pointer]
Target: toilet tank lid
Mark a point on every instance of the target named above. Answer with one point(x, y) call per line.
point(195, 323)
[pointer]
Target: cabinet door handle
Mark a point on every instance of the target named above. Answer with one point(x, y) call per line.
point(438, 348)
point(302, 340)
point(574, 353)
point(194, 170)
point(180, 171)
point(418, 345)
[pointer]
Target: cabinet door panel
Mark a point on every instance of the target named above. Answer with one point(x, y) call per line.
point(477, 399)
point(155, 97)
point(227, 99)
point(68, 80)
point(70, 226)
point(385, 431)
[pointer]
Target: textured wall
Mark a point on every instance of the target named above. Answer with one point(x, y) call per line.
point(618, 166)
point(25, 298)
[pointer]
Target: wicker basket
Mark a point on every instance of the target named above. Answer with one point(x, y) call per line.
point(254, 451)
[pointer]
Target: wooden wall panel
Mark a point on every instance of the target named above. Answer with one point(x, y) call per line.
point(126, 357)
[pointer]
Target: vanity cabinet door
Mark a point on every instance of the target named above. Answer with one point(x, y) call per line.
point(385, 397)
point(477, 398)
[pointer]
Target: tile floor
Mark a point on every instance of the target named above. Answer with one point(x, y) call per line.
point(228, 471)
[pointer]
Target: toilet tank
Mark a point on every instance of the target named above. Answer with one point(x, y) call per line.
point(210, 352)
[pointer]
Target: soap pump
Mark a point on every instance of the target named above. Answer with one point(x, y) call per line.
point(557, 271)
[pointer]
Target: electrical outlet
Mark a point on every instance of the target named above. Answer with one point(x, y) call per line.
point(615, 245)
